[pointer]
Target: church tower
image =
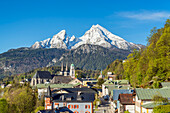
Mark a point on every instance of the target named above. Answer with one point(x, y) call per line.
point(72, 71)
point(66, 73)
point(48, 100)
point(62, 69)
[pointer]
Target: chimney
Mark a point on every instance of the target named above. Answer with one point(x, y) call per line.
point(79, 92)
point(62, 97)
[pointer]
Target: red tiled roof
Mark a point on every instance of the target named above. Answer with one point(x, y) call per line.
point(126, 99)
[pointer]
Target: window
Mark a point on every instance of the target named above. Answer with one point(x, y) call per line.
point(70, 106)
point(87, 106)
point(87, 112)
point(76, 112)
point(64, 104)
point(76, 106)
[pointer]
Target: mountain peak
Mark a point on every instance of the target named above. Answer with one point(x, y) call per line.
point(96, 35)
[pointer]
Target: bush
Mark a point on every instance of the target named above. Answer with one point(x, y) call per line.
point(162, 109)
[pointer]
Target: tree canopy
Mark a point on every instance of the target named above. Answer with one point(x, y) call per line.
point(142, 66)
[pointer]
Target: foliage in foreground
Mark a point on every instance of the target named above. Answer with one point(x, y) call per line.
point(162, 109)
point(19, 99)
point(3, 106)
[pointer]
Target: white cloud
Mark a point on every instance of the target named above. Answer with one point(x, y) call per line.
point(145, 15)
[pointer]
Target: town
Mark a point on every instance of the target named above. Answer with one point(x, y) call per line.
point(64, 93)
point(84, 56)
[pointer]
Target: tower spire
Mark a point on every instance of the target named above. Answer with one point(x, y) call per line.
point(62, 67)
point(66, 67)
point(49, 91)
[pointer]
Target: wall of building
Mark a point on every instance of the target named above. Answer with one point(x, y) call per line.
point(105, 91)
point(137, 105)
point(48, 104)
point(41, 92)
point(130, 108)
point(81, 106)
point(144, 110)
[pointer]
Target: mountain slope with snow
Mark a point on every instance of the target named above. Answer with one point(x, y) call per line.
point(97, 35)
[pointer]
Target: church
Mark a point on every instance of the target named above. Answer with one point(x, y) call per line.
point(45, 77)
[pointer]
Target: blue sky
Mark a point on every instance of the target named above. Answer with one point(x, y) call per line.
point(23, 22)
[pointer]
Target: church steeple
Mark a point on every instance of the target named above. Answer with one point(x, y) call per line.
point(49, 91)
point(66, 68)
point(62, 67)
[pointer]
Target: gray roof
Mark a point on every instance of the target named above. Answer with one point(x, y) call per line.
point(61, 79)
point(43, 75)
point(61, 109)
point(83, 89)
point(74, 97)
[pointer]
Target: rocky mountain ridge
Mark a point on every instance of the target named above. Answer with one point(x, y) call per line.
point(97, 35)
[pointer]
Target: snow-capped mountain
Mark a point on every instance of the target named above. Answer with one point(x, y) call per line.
point(97, 35)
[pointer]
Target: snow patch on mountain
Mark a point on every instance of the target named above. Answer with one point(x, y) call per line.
point(97, 35)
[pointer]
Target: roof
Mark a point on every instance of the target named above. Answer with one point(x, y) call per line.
point(114, 87)
point(42, 75)
point(147, 94)
point(126, 99)
point(83, 89)
point(56, 85)
point(152, 105)
point(74, 97)
point(116, 92)
point(61, 109)
point(80, 79)
point(88, 79)
point(61, 79)
point(120, 82)
point(76, 79)
point(165, 84)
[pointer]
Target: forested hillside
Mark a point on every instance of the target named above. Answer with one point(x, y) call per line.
point(85, 57)
point(152, 63)
point(24, 59)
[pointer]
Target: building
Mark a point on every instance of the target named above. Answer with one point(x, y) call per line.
point(58, 79)
point(45, 77)
point(89, 81)
point(115, 103)
point(101, 75)
point(76, 80)
point(126, 103)
point(41, 77)
point(66, 72)
point(72, 71)
point(58, 110)
point(42, 88)
point(78, 100)
point(165, 84)
point(109, 85)
point(143, 98)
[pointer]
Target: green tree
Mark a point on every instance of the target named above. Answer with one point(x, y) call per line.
point(100, 81)
point(39, 108)
point(21, 99)
point(3, 106)
point(162, 109)
point(159, 99)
